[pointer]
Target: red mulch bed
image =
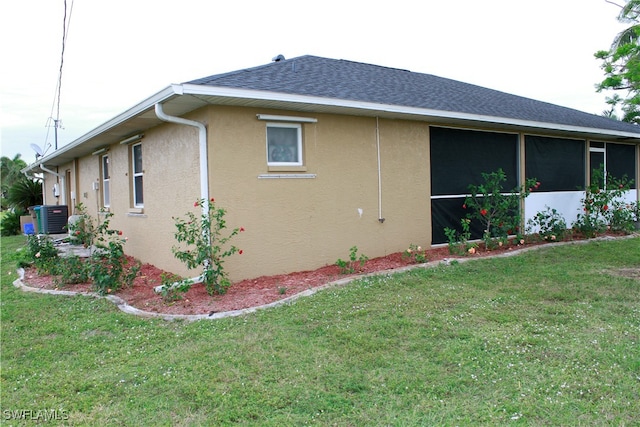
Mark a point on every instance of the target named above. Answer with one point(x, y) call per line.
point(247, 293)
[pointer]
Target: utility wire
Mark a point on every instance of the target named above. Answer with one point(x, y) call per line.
point(66, 23)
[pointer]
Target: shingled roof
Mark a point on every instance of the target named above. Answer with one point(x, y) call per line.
point(354, 81)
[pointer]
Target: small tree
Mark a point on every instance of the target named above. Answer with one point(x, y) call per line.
point(621, 66)
point(206, 244)
point(498, 211)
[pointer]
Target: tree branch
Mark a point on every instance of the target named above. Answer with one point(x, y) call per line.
point(615, 4)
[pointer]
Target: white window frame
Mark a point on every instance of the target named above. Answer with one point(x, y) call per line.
point(603, 150)
point(299, 161)
point(106, 180)
point(136, 174)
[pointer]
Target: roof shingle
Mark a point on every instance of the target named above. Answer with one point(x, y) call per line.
point(354, 81)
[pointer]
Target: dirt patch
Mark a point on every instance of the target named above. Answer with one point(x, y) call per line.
point(631, 273)
point(254, 292)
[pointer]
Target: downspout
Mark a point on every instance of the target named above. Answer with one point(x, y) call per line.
point(62, 180)
point(380, 218)
point(204, 175)
point(202, 139)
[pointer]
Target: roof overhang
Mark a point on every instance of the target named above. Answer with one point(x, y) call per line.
point(180, 99)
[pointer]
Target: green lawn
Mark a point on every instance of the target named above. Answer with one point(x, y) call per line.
point(550, 337)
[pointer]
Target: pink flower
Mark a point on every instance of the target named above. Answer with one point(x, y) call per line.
point(195, 205)
point(240, 251)
point(213, 200)
point(241, 229)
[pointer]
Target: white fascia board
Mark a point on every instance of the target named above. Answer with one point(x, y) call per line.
point(120, 118)
point(390, 108)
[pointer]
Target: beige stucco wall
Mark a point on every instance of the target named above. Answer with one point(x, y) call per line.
point(291, 224)
point(298, 224)
point(65, 185)
point(171, 184)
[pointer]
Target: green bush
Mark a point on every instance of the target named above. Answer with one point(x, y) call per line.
point(44, 254)
point(108, 268)
point(206, 245)
point(10, 222)
point(498, 210)
point(550, 224)
point(354, 263)
point(604, 208)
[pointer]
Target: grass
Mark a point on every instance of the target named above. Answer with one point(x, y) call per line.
point(550, 337)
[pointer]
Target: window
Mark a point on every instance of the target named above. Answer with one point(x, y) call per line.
point(137, 172)
point(612, 160)
point(284, 144)
point(105, 174)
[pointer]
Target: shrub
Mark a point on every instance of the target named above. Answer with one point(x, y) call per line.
point(416, 254)
point(459, 241)
point(82, 231)
point(605, 208)
point(71, 269)
point(355, 262)
point(10, 225)
point(498, 212)
point(206, 245)
point(108, 266)
point(549, 224)
point(43, 253)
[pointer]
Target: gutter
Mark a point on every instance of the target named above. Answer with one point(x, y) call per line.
point(381, 110)
point(132, 112)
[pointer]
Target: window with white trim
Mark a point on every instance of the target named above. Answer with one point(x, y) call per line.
point(137, 175)
point(284, 144)
point(106, 179)
point(612, 160)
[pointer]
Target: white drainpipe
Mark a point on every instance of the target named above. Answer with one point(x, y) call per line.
point(62, 183)
point(204, 170)
point(202, 139)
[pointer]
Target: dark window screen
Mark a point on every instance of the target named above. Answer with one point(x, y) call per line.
point(621, 161)
point(459, 157)
point(559, 164)
point(447, 213)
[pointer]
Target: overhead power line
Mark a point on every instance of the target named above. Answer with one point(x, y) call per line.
point(57, 123)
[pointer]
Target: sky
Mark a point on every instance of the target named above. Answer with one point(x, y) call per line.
point(119, 52)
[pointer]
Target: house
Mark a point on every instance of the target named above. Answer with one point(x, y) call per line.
point(313, 156)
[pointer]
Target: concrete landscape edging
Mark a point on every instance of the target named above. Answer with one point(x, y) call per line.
point(125, 307)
